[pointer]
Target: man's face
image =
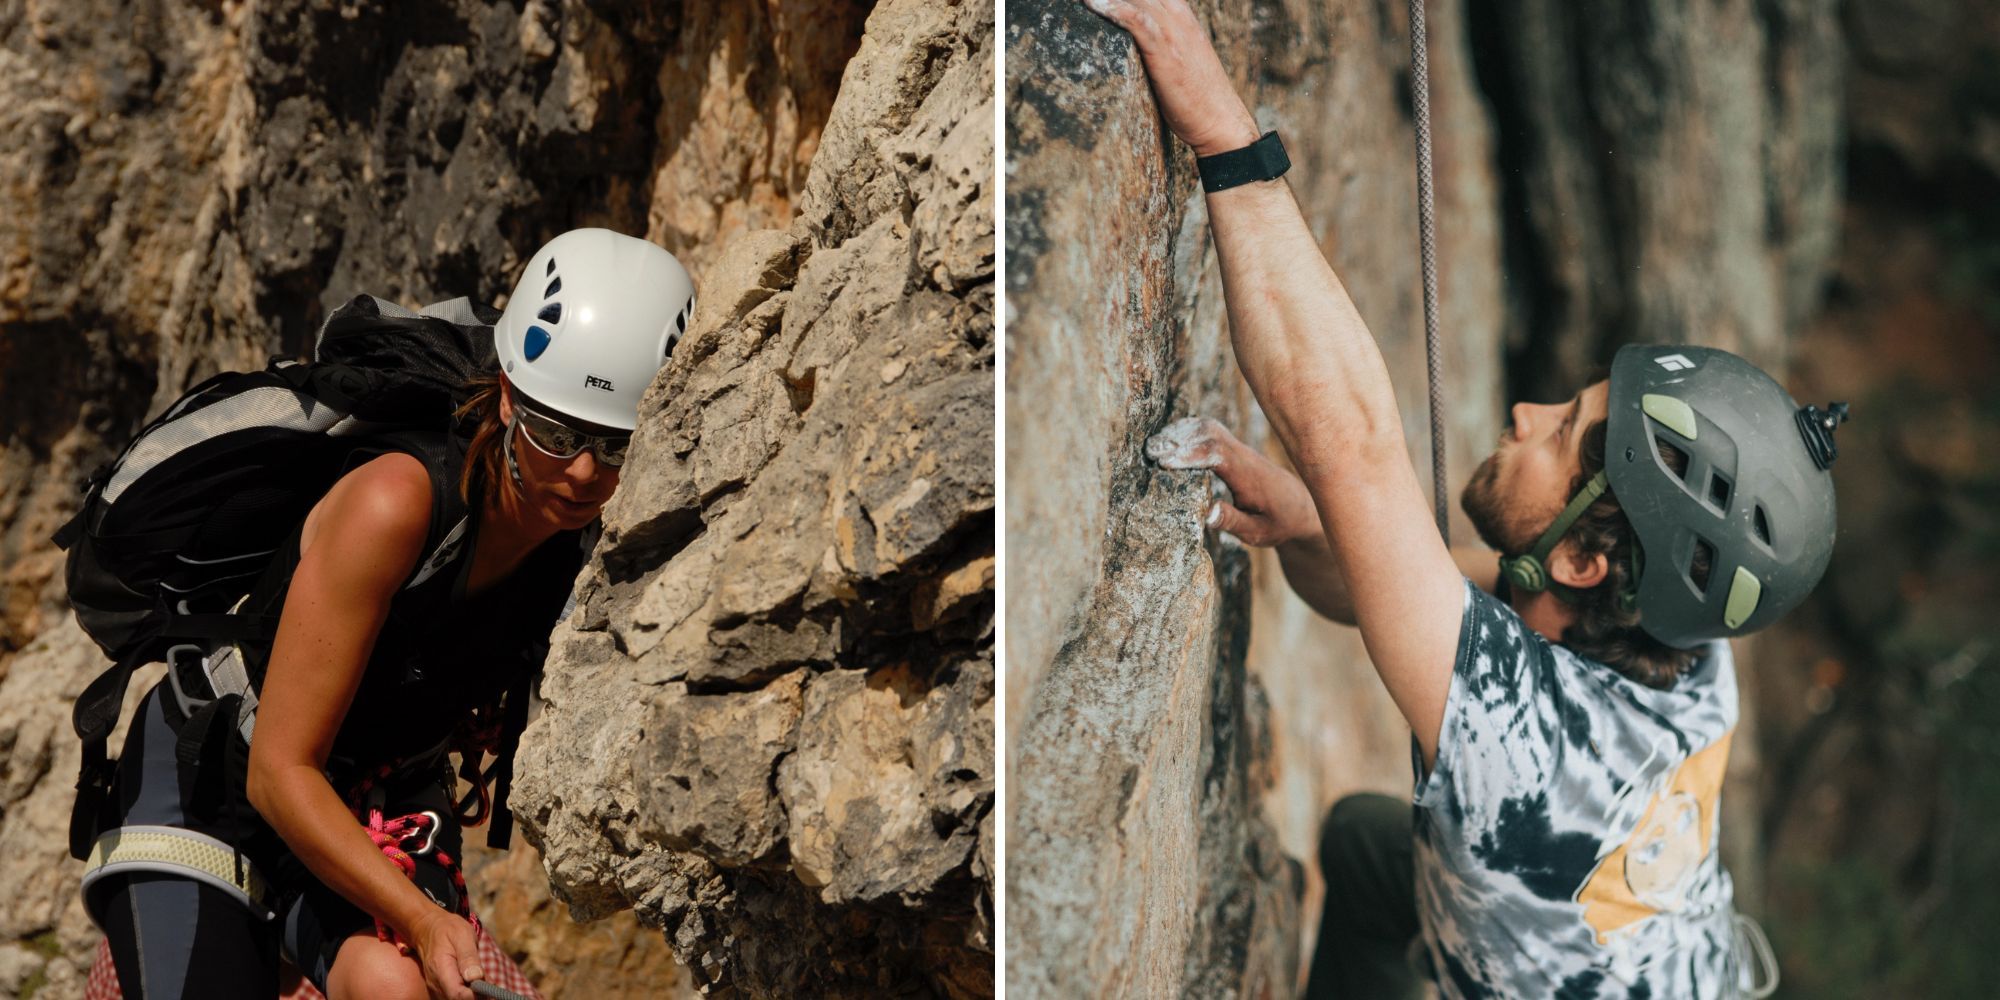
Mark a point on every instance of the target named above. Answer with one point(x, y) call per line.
point(1524, 484)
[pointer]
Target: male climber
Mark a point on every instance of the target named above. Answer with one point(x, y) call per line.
point(1569, 733)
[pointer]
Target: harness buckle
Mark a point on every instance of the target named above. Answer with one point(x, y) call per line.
point(192, 661)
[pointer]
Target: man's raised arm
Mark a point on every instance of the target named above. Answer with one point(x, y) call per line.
point(1319, 376)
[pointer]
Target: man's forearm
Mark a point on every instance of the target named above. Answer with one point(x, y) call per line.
point(1314, 576)
point(1299, 341)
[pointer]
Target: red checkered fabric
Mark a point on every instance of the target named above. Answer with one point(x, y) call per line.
point(500, 971)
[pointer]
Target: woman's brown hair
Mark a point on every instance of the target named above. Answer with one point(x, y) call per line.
point(484, 462)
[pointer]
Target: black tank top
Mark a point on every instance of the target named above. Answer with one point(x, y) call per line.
point(441, 652)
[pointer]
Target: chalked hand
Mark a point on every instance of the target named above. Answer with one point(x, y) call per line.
point(1196, 96)
point(1268, 504)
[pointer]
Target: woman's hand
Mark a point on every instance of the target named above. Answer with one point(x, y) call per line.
point(1197, 98)
point(1271, 505)
point(448, 950)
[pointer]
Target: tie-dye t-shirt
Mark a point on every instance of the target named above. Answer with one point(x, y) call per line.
point(1565, 839)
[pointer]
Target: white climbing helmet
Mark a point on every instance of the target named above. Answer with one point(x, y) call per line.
point(594, 316)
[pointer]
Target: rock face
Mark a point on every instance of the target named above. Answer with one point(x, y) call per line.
point(1169, 708)
point(1177, 723)
point(190, 191)
point(1672, 173)
point(769, 723)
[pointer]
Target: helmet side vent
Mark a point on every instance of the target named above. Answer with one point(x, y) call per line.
point(1699, 565)
point(554, 287)
point(1671, 456)
point(551, 269)
point(680, 325)
point(1718, 491)
point(551, 313)
point(1761, 525)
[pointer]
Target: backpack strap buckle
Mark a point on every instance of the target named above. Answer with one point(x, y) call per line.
point(93, 797)
point(187, 678)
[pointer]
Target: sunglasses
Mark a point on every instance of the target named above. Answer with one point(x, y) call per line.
point(556, 439)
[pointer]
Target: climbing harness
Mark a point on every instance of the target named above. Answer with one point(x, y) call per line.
point(1757, 978)
point(1420, 101)
point(137, 848)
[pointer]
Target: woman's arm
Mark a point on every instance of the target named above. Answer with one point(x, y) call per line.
point(359, 545)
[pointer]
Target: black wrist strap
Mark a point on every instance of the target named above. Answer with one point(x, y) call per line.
point(1262, 160)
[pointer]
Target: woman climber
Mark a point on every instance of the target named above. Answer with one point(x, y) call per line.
point(1570, 697)
point(412, 609)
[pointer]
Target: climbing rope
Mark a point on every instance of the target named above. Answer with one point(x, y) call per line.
point(403, 839)
point(1420, 100)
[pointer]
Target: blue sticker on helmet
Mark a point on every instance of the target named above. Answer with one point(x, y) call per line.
point(538, 341)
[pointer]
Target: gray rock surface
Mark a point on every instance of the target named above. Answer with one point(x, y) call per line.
point(769, 723)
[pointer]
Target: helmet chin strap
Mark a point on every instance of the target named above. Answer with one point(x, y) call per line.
point(1530, 572)
point(507, 448)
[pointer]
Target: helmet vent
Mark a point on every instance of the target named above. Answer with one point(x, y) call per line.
point(1699, 565)
point(554, 287)
point(551, 313)
point(1718, 490)
point(536, 341)
point(1762, 525)
point(1671, 456)
point(551, 269)
point(671, 341)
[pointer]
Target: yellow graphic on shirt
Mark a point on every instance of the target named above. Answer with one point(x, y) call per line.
point(1650, 873)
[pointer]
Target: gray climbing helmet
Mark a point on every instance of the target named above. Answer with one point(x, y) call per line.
point(1756, 494)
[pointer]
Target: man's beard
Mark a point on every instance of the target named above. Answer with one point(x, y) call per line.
point(1488, 511)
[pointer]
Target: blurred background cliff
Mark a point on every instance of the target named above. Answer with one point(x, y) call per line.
point(1815, 185)
point(188, 186)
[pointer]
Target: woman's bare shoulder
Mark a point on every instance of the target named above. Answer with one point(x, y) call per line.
point(385, 502)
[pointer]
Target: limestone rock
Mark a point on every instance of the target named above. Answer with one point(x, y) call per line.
point(769, 724)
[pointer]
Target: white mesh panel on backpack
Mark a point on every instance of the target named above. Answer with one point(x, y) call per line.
point(269, 406)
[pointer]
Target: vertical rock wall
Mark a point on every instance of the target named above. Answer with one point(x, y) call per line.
point(769, 725)
point(1671, 173)
point(1648, 173)
point(1176, 723)
point(186, 187)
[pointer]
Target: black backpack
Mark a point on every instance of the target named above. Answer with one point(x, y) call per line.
point(178, 528)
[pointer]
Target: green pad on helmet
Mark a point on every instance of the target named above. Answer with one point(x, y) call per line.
point(1744, 592)
point(1672, 413)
